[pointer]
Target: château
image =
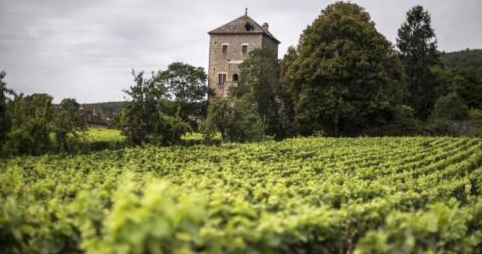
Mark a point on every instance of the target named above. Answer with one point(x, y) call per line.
point(228, 48)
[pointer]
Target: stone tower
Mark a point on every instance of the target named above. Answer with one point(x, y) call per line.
point(229, 46)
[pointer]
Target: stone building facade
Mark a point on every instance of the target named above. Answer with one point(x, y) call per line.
point(229, 46)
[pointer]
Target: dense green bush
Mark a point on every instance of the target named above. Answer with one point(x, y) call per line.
point(404, 123)
point(144, 119)
point(237, 120)
point(31, 125)
point(161, 219)
point(450, 107)
point(475, 115)
point(441, 229)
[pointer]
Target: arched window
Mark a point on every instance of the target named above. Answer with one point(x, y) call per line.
point(235, 78)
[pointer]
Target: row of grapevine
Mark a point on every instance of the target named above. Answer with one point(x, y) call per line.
point(303, 195)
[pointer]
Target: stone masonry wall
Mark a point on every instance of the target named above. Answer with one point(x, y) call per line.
point(229, 63)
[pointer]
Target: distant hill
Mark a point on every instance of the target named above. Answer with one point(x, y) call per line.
point(465, 59)
point(109, 109)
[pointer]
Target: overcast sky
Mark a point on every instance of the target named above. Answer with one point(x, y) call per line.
point(86, 49)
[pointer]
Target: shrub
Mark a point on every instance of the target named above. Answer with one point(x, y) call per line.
point(450, 107)
point(172, 129)
point(31, 125)
point(236, 119)
point(475, 115)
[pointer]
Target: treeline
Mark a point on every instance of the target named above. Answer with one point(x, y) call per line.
point(468, 60)
point(344, 78)
point(31, 124)
point(163, 107)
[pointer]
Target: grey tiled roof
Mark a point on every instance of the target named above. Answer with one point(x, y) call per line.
point(239, 26)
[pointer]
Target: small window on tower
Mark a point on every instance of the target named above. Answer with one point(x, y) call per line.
point(235, 78)
point(225, 48)
point(221, 79)
point(244, 48)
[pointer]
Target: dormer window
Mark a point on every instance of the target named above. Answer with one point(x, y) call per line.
point(244, 48)
point(248, 27)
point(225, 48)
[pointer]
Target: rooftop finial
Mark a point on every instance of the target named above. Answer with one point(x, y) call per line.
point(246, 11)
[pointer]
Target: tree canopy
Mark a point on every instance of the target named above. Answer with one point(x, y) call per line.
point(5, 121)
point(145, 118)
point(346, 76)
point(186, 88)
point(32, 116)
point(418, 51)
point(260, 81)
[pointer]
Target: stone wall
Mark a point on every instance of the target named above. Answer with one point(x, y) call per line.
point(270, 44)
point(228, 63)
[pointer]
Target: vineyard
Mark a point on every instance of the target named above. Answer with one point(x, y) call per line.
point(298, 196)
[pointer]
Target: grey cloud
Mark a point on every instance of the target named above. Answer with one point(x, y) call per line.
point(86, 49)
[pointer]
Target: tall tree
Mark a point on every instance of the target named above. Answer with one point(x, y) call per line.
point(141, 115)
point(186, 88)
point(260, 81)
point(347, 76)
point(31, 125)
point(5, 120)
point(418, 51)
point(287, 93)
point(144, 119)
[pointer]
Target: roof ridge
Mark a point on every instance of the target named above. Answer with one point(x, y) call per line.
point(237, 26)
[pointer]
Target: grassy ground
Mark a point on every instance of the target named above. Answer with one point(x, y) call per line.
point(104, 135)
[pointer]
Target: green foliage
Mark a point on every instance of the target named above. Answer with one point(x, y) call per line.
point(142, 115)
point(260, 79)
point(463, 82)
point(450, 107)
point(469, 60)
point(346, 76)
point(237, 120)
point(186, 89)
point(418, 51)
point(287, 94)
point(442, 229)
point(67, 124)
point(448, 110)
point(162, 219)
point(144, 119)
point(475, 115)
point(32, 116)
point(173, 128)
point(101, 139)
point(302, 195)
point(5, 120)
point(404, 123)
